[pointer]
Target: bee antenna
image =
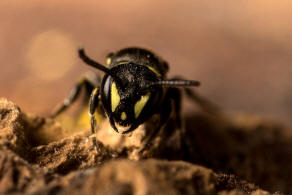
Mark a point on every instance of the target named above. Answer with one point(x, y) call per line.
point(91, 62)
point(97, 65)
point(176, 83)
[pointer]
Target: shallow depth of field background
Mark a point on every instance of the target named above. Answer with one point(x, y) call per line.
point(241, 51)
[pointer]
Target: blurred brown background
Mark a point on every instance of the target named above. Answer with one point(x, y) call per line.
point(239, 50)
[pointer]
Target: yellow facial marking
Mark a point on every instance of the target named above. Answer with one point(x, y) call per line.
point(123, 116)
point(108, 61)
point(115, 97)
point(140, 104)
point(154, 70)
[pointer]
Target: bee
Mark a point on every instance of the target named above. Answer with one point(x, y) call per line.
point(134, 88)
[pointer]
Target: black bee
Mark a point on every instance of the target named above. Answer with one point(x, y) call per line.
point(133, 89)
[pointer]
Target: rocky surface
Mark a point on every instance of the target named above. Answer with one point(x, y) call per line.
point(215, 154)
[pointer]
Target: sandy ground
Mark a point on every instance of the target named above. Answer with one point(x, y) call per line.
point(214, 154)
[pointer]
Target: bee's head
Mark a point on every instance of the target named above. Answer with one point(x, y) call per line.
point(128, 96)
point(131, 93)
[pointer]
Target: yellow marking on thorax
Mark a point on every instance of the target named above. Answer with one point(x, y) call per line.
point(154, 70)
point(108, 61)
point(115, 97)
point(123, 116)
point(139, 105)
point(123, 62)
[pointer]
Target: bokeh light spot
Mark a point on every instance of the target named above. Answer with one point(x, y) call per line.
point(51, 54)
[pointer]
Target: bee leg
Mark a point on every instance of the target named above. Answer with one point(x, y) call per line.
point(172, 98)
point(93, 104)
point(88, 81)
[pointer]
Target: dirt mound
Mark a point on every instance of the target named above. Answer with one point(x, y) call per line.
point(213, 155)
